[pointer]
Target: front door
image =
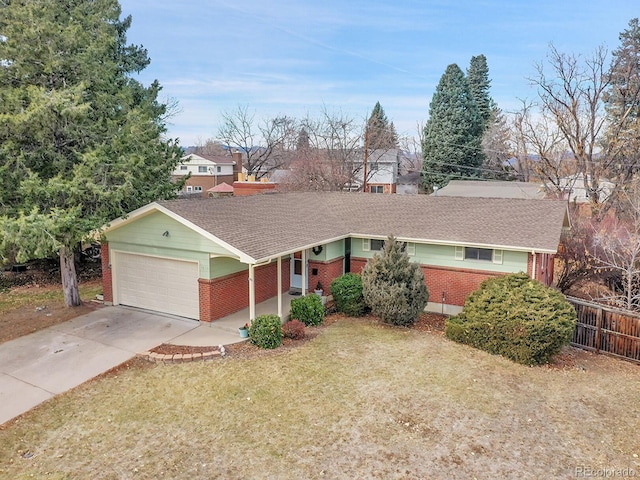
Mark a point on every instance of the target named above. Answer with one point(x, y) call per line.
point(296, 270)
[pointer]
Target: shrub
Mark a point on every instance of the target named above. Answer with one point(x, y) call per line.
point(293, 329)
point(516, 317)
point(347, 293)
point(308, 309)
point(266, 331)
point(393, 286)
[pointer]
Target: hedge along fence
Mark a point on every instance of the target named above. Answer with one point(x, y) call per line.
point(604, 329)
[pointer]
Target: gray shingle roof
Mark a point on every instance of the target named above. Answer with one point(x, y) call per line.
point(263, 226)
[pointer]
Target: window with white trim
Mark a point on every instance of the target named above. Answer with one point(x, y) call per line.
point(218, 169)
point(197, 188)
point(479, 254)
point(189, 189)
point(376, 189)
point(184, 167)
point(372, 245)
point(202, 169)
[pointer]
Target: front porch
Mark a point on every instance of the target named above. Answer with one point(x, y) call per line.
point(224, 331)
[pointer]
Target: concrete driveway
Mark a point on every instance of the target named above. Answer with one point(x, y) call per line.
point(39, 366)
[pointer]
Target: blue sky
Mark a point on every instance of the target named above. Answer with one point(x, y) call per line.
point(296, 57)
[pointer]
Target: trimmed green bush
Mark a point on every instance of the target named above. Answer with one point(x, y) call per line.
point(347, 293)
point(293, 329)
point(516, 317)
point(393, 286)
point(308, 309)
point(266, 331)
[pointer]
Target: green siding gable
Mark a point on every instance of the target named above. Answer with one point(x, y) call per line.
point(148, 231)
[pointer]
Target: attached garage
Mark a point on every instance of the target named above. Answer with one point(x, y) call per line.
point(155, 283)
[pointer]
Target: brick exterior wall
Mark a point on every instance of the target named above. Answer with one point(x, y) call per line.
point(327, 272)
point(455, 283)
point(387, 187)
point(252, 188)
point(204, 181)
point(222, 296)
point(107, 282)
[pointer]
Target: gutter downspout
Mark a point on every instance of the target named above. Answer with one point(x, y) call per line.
point(280, 287)
point(533, 273)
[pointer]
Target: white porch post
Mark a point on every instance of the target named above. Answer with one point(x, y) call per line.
point(304, 272)
point(280, 287)
point(252, 293)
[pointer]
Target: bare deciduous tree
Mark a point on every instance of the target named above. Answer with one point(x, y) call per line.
point(572, 96)
point(541, 150)
point(265, 146)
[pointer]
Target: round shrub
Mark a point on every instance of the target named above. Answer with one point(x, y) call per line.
point(516, 317)
point(266, 331)
point(308, 309)
point(347, 293)
point(293, 329)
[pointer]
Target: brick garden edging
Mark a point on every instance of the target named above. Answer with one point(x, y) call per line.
point(179, 357)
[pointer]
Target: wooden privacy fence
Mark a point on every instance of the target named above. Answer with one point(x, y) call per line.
point(606, 330)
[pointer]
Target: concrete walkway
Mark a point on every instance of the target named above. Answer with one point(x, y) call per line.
point(36, 367)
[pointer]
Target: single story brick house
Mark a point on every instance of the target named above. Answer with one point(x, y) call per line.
point(206, 258)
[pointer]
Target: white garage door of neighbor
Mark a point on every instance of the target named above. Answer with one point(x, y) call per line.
point(160, 284)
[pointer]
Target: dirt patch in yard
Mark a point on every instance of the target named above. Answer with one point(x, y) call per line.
point(27, 309)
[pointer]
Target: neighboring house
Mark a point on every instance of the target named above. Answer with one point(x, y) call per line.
point(573, 188)
point(490, 189)
point(382, 170)
point(207, 171)
point(207, 258)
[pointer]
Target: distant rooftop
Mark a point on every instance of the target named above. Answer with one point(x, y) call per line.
point(490, 189)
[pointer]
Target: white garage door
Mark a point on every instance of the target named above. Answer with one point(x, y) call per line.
point(160, 284)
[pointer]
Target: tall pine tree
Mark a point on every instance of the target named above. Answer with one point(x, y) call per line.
point(453, 134)
point(81, 142)
point(479, 85)
point(381, 134)
point(622, 102)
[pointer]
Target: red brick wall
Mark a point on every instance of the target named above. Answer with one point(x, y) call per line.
point(456, 283)
point(252, 188)
point(327, 271)
point(225, 295)
point(107, 283)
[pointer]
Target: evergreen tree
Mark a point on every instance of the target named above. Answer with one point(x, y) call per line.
point(81, 142)
point(479, 85)
point(393, 286)
point(622, 101)
point(381, 133)
point(452, 141)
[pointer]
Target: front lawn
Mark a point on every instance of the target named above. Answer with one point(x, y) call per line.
point(361, 400)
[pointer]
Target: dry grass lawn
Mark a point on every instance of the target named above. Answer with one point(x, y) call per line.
point(361, 400)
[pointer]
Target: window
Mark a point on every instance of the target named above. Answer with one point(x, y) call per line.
point(218, 169)
point(376, 189)
point(372, 245)
point(202, 169)
point(374, 167)
point(197, 189)
point(479, 254)
point(483, 254)
point(377, 245)
point(189, 189)
point(184, 167)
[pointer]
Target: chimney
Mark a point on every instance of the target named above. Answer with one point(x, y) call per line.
point(237, 168)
